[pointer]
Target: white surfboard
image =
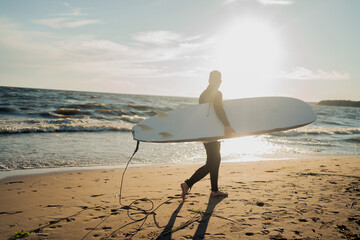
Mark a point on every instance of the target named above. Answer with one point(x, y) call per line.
point(248, 116)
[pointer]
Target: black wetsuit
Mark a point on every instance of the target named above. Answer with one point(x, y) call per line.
point(212, 148)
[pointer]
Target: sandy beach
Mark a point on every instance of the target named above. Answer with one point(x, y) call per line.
point(288, 199)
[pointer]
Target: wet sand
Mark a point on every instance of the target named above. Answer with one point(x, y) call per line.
point(287, 199)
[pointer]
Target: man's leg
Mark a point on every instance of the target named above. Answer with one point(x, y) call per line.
point(214, 158)
point(201, 172)
point(213, 152)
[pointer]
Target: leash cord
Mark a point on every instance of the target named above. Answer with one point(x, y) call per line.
point(122, 178)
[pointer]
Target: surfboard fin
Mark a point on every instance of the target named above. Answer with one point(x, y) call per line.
point(160, 113)
point(144, 127)
point(166, 135)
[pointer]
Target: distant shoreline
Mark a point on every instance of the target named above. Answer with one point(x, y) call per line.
point(340, 103)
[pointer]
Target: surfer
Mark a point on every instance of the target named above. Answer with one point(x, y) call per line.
point(211, 95)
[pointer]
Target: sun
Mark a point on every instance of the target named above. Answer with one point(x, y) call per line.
point(249, 54)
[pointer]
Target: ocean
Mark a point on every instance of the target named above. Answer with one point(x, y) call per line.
point(54, 129)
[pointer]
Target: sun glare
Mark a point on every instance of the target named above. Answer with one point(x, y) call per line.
point(249, 55)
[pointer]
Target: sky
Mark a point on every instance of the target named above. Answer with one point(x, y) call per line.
point(308, 49)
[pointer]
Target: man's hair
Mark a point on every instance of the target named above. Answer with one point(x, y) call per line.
point(215, 77)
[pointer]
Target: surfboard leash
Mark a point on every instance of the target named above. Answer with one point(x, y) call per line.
point(132, 206)
point(122, 177)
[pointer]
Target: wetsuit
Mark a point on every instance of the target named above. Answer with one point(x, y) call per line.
point(212, 148)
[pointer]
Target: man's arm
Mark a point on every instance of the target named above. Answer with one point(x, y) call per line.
point(219, 110)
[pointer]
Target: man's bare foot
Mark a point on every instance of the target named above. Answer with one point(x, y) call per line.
point(185, 189)
point(218, 194)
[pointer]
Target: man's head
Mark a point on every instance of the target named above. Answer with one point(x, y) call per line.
point(215, 78)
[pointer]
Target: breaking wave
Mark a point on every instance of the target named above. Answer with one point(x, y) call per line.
point(318, 131)
point(66, 125)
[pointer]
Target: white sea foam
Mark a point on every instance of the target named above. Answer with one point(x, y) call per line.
point(67, 125)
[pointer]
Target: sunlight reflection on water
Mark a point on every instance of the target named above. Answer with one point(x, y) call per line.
point(253, 148)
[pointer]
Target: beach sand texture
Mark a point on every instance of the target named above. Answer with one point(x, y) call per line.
point(288, 199)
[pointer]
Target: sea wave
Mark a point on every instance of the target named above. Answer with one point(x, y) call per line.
point(87, 105)
point(318, 131)
point(6, 95)
point(332, 123)
point(62, 125)
point(110, 111)
point(138, 107)
point(68, 111)
point(7, 110)
point(357, 140)
point(132, 119)
point(142, 108)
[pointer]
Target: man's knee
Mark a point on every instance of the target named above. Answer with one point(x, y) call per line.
point(213, 162)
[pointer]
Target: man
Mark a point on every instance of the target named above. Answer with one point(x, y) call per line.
point(214, 96)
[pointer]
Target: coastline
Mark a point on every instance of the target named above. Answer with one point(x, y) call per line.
point(14, 174)
point(303, 198)
point(18, 173)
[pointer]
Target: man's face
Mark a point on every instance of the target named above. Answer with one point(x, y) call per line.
point(216, 82)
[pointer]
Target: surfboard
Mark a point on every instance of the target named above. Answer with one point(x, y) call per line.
point(248, 116)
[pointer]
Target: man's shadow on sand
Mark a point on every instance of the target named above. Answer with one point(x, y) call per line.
point(201, 229)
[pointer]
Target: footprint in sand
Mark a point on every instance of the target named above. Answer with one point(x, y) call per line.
point(97, 195)
point(277, 237)
point(53, 205)
point(70, 219)
point(55, 226)
point(249, 234)
point(10, 213)
point(280, 230)
point(315, 219)
point(14, 182)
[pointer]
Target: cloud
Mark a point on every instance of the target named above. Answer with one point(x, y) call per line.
point(264, 2)
point(72, 11)
point(159, 38)
point(51, 59)
point(228, 2)
point(275, 2)
point(300, 73)
point(17, 42)
point(133, 53)
point(66, 22)
point(70, 19)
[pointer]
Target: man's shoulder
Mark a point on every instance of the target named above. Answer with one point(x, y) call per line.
point(218, 95)
point(210, 96)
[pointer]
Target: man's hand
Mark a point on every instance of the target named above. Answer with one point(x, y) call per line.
point(229, 131)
